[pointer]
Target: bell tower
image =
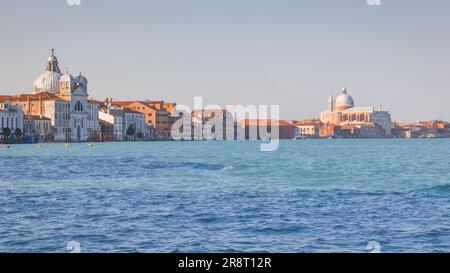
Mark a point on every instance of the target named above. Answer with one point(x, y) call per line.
point(66, 84)
point(331, 103)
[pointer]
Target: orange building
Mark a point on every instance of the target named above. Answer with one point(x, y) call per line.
point(329, 130)
point(156, 115)
point(285, 129)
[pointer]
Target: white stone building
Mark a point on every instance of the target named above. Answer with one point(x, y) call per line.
point(39, 128)
point(11, 116)
point(64, 100)
point(136, 121)
point(115, 116)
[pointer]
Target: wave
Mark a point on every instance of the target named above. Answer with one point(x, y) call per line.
point(440, 188)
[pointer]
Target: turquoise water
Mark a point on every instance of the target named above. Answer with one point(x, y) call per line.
point(309, 196)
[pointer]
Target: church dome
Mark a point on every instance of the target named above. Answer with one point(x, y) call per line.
point(47, 82)
point(344, 101)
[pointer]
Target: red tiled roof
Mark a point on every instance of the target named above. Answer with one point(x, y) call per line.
point(131, 111)
point(128, 103)
point(94, 101)
point(308, 122)
point(266, 122)
point(33, 97)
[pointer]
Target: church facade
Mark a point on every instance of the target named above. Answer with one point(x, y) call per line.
point(63, 99)
point(343, 112)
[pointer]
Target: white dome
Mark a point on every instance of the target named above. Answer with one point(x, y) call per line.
point(47, 82)
point(344, 99)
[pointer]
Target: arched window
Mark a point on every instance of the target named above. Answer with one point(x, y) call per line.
point(79, 106)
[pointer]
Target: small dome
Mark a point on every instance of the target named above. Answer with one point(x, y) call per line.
point(67, 82)
point(81, 80)
point(67, 77)
point(47, 82)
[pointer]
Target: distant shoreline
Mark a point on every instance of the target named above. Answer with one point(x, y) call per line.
point(3, 145)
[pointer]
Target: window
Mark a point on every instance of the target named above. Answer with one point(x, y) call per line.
point(79, 106)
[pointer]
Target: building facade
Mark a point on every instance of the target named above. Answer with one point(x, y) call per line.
point(219, 123)
point(64, 100)
point(263, 129)
point(156, 115)
point(115, 117)
point(38, 128)
point(134, 125)
point(307, 128)
point(342, 111)
point(11, 116)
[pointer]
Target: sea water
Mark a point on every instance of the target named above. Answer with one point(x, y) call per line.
point(308, 196)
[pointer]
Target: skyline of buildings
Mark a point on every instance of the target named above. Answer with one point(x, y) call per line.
point(59, 108)
point(289, 53)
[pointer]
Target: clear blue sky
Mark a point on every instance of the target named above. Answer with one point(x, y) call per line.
point(286, 52)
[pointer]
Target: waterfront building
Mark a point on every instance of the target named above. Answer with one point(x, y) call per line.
point(11, 116)
point(134, 125)
point(155, 113)
point(127, 124)
point(11, 120)
point(330, 130)
point(169, 108)
point(114, 116)
point(38, 128)
point(422, 129)
point(342, 111)
point(308, 128)
point(107, 131)
point(264, 128)
point(205, 120)
point(64, 100)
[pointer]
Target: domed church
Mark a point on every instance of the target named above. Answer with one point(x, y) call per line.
point(63, 99)
point(342, 111)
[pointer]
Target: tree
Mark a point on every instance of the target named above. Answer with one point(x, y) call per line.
point(131, 131)
point(6, 132)
point(18, 134)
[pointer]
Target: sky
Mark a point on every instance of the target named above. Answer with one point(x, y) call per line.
point(291, 53)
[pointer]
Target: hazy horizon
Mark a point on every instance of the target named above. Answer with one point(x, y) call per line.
point(288, 52)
